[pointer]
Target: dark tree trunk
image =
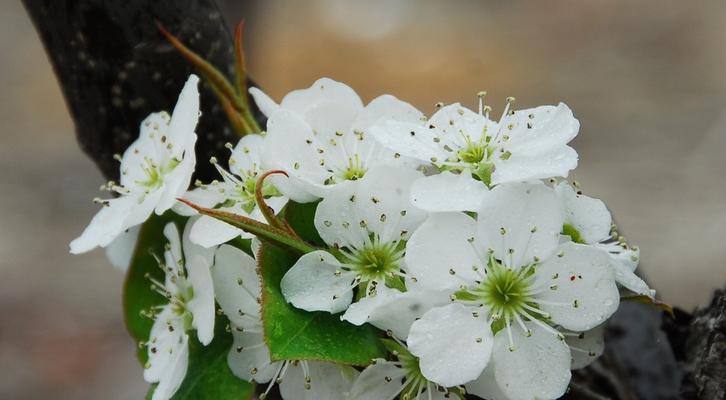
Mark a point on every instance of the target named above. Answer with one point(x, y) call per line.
point(115, 68)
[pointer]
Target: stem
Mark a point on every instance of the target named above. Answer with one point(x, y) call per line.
point(259, 229)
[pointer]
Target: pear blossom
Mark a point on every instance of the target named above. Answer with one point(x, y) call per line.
point(516, 289)
point(155, 170)
point(524, 145)
point(367, 223)
point(235, 193)
point(387, 379)
point(238, 290)
point(588, 221)
point(189, 290)
point(320, 137)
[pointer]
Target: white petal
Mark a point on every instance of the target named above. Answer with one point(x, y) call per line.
point(249, 358)
point(455, 124)
point(486, 386)
point(441, 245)
point(121, 250)
point(177, 181)
point(105, 226)
point(202, 304)
point(292, 146)
point(382, 380)
point(448, 192)
point(538, 367)
point(206, 196)
point(164, 340)
point(209, 231)
point(453, 344)
point(386, 107)
point(324, 90)
point(173, 376)
point(143, 208)
point(586, 347)
point(520, 222)
point(582, 286)
point(246, 155)
point(236, 284)
point(537, 130)
point(184, 118)
point(393, 310)
point(588, 215)
point(327, 382)
point(317, 283)
point(522, 166)
point(378, 203)
point(263, 101)
point(191, 249)
point(409, 140)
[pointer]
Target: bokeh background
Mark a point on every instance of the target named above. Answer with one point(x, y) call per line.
point(647, 80)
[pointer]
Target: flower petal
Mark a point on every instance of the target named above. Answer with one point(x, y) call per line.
point(486, 386)
point(453, 344)
point(324, 381)
point(317, 283)
point(324, 90)
point(249, 358)
point(588, 215)
point(263, 101)
point(236, 284)
point(582, 291)
point(381, 380)
point(173, 376)
point(522, 166)
point(409, 140)
point(184, 118)
point(386, 107)
point(120, 251)
point(441, 245)
point(393, 310)
point(536, 130)
point(202, 304)
point(586, 347)
point(165, 339)
point(520, 222)
point(378, 203)
point(537, 367)
point(246, 155)
point(105, 226)
point(448, 192)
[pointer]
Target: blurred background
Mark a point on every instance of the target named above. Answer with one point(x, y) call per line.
point(646, 79)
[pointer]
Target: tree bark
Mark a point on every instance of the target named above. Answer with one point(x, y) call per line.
point(115, 68)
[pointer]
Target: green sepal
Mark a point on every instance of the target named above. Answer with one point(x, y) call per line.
point(640, 298)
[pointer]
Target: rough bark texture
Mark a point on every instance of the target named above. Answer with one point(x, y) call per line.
point(114, 68)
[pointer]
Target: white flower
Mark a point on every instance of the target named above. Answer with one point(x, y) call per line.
point(515, 288)
point(389, 379)
point(319, 136)
point(155, 170)
point(121, 250)
point(189, 290)
point(524, 145)
point(367, 224)
point(235, 194)
point(588, 221)
point(238, 289)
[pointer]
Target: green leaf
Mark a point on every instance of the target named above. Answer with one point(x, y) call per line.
point(138, 296)
point(209, 376)
point(294, 334)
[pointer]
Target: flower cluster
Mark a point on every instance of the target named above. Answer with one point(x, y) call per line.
point(455, 235)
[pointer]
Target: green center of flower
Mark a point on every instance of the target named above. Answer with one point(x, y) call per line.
point(244, 192)
point(354, 170)
point(573, 233)
point(506, 292)
point(155, 173)
point(377, 261)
